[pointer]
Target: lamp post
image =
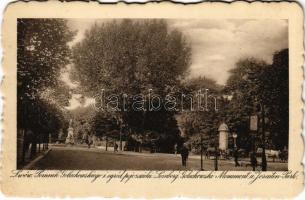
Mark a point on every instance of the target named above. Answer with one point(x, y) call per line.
point(201, 146)
point(216, 156)
point(264, 159)
point(234, 135)
point(253, 129)
point(201, 152)
point(106, 143)
point(121, 129)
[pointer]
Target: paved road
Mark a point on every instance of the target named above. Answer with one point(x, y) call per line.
point(80, 158)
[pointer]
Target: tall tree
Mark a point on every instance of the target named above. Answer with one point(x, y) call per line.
point(42, 51)
point(277, 98)
point(246, 87)
point(200, 122)
point(252, 87)
point(131, 57)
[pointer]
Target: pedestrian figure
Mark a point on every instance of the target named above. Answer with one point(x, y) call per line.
point(115, 147)
point(253, 160)
point(207, 153)
point(236, 158)
point(175, 149)
point(184, 154)
point(84, 138)
point(89, 141)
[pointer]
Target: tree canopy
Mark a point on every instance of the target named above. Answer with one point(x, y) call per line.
point(133, 58)
point(253, 84)
point(42, 51)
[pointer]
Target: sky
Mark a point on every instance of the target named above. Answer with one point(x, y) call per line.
point(216, 44)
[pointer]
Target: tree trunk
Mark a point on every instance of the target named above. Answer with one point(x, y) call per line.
point(121, 138)
point(25, 146)
point(106, 143)
point(34, 146)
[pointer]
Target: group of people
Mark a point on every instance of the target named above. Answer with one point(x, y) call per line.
point(184, 151)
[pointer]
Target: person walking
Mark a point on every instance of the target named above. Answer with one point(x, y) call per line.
point(207, 154)
point(184, 154)
point(236, 158)
point(253, 160)
point(115, 147)
point(175, 148)
point(89, 141)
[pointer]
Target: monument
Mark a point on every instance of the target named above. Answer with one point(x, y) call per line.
point(70, 136)
point(223, 137)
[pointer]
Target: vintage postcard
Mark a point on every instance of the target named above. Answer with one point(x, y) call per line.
point(155, 100)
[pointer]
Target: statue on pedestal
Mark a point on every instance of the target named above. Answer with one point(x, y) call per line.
point(70, 137)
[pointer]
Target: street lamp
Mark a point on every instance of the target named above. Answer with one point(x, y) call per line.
point(253, 129)
point(264, 159)
point(216, 156)
point(201, 153)
point(254, 121)
point(234, 135)
point(201, 148)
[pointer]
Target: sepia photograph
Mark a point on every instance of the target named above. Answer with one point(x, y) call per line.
point(152, 100)
point(152, 94)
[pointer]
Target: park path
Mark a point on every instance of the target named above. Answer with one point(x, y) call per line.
point(81, 158)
